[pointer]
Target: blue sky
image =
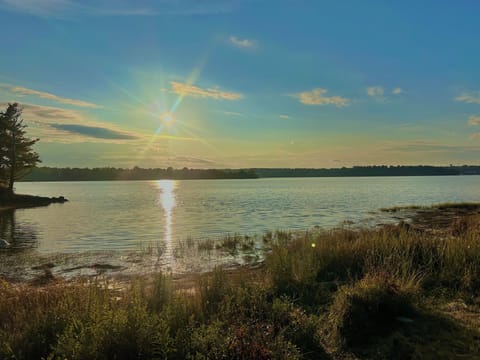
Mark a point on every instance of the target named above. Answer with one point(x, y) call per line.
point(245, 83)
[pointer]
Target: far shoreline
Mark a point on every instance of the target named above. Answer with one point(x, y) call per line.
point(42, 174)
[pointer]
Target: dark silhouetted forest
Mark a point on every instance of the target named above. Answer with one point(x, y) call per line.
point(382, 170)
point(110, 173)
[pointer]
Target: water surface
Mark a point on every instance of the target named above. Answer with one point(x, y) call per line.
point(125, 216)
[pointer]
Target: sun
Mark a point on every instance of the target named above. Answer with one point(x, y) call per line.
point(167, 119)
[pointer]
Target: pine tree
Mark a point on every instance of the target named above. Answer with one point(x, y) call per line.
point(17, 157)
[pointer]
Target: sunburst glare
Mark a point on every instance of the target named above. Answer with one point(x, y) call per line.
point(167, 119)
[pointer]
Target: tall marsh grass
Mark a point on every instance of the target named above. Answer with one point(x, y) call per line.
point(316, 292)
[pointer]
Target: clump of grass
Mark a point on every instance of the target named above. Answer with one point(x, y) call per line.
point(190, 242)
point(342, 255)
point(247, 243)
point(371, 308)
point(206, 245)
point(236, 242)
point(230, 242)
point(267, 237)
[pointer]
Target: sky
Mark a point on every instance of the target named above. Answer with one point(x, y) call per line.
point(245, 83)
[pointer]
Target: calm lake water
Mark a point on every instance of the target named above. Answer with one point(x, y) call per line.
point(124, 216)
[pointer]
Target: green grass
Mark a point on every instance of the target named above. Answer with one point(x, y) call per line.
point(370, 294)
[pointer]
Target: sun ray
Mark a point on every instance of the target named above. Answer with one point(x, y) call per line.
point(168, 118)
point(126, 92)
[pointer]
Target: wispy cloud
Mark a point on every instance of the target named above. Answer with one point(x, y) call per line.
point(474, 120)
point(38, 114)
point(195, 91)
point(176, 137)
point(375, 91)
point(191, 160)
point(397, 91)
point(22, 91)
point(428, 147)
point(94, 131)
point(232, 113)
point(380, 93)
point(44, 8)
point(54, 124)
point(284, 117)
point(317, 97)
point(469, 98)
point(47, 113)
point(71, 8)
point(242, 43)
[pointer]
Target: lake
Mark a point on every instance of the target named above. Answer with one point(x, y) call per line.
point(122, 217)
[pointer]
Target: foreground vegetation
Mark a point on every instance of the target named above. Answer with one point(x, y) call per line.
point(397, 292)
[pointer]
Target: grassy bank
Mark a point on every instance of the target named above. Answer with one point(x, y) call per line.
point(397, 292)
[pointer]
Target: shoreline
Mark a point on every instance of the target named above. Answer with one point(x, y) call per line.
point(22, 201)
point(435, 220)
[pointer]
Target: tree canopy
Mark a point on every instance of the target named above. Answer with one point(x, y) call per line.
point(17, 158)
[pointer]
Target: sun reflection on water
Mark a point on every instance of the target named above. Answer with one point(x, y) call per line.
point(167, 201)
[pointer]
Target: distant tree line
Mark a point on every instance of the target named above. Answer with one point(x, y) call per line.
point(379, 170)
point(111, 173)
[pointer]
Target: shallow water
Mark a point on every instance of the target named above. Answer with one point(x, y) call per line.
point(116, 219)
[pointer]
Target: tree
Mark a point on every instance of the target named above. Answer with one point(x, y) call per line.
point(17, 157)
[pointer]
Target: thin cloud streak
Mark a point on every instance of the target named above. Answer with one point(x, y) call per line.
point(232, 113)
point(474, 120)
point(176, 137)
point(71, 8)
point(42, 8)
point(52, 124)
point(191, 160)
point(429, 147)
point(469, 98)
point(317, 97)
point(94, 131)
point(22, 91)
point(197, 92)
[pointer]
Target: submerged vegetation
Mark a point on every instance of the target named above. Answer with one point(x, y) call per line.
point(396, 292)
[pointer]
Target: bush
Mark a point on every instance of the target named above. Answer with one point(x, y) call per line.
point(368, 309)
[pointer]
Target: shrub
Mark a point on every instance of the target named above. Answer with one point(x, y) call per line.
point(370, 308)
